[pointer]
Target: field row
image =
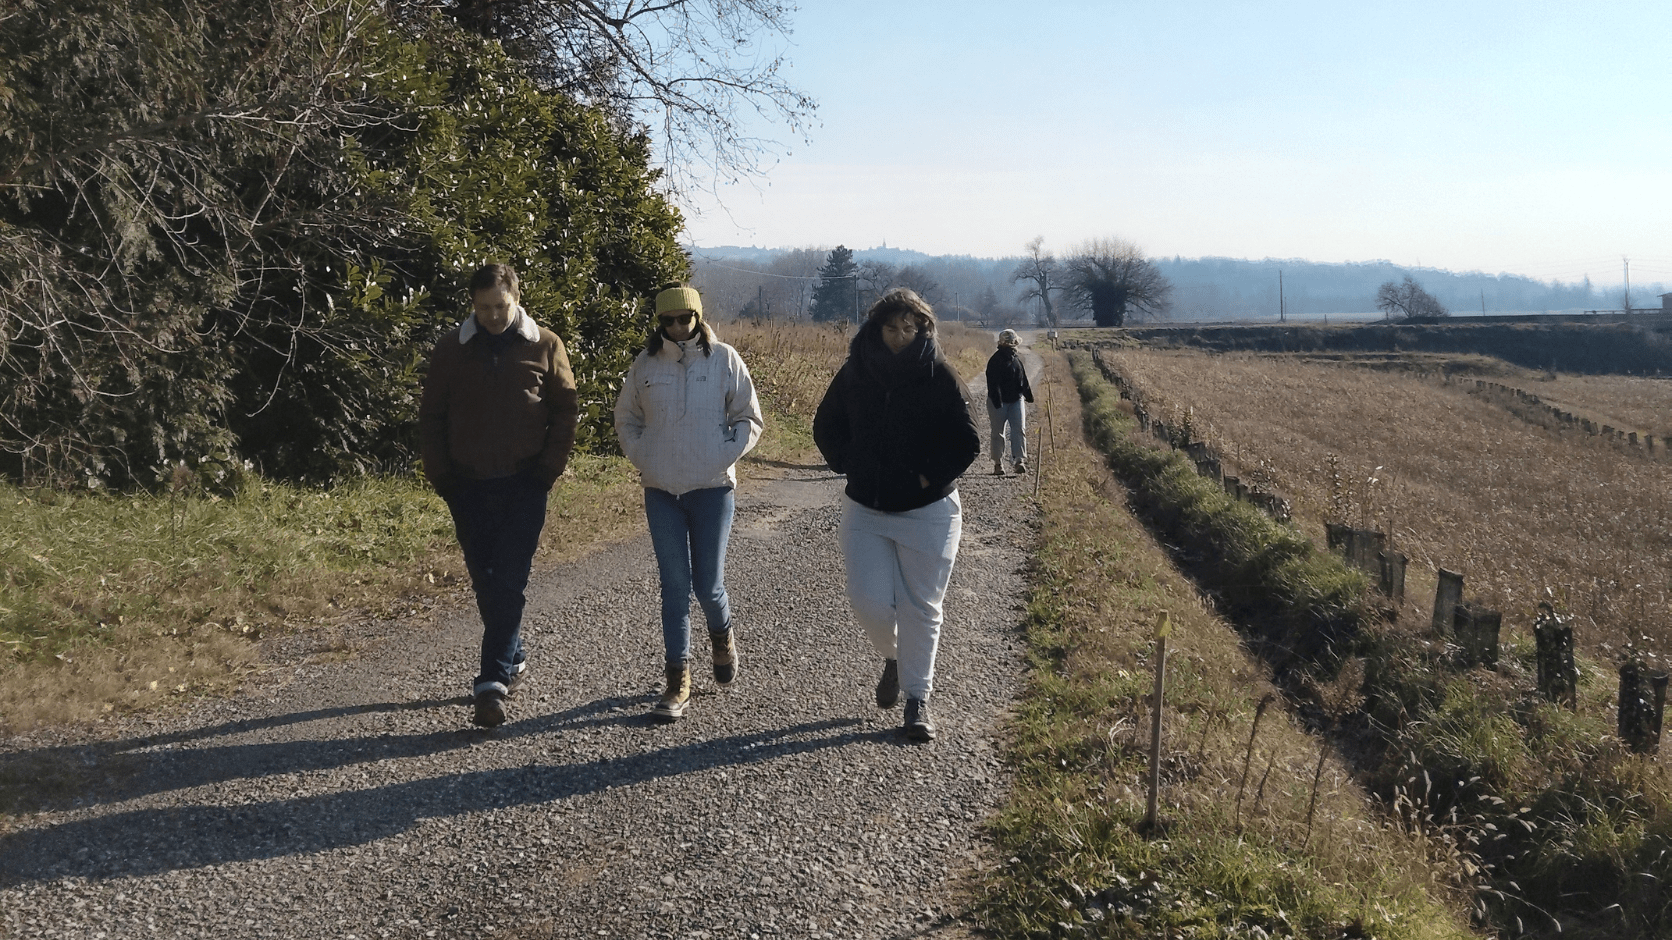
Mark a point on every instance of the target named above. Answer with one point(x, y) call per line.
point(1460, 483)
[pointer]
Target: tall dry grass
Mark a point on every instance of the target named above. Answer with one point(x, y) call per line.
point(1624, 401)
point(1524, 513)
point(792, 363)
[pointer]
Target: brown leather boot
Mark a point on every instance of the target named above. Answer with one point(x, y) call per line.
point(672, 703)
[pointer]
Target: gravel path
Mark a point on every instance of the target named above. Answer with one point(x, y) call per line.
point(352, 799)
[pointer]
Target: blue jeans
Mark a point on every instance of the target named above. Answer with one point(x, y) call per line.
point(498, 523)
point(689, 533)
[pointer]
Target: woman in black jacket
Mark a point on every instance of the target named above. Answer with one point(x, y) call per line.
point(896, 422)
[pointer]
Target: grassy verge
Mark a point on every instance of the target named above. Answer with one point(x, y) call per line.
point(1243, 850)
point(1553, 826)
point(120, 602)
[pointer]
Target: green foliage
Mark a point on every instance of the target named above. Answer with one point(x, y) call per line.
point(230, 232)
point(833, 298)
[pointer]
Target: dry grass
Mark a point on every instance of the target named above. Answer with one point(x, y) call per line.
point(1627, 402)
point(1522, 512)
point(793, 363)
point(1082, 742)
point(126, 602)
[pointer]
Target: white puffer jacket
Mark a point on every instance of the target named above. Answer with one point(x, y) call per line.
point(684, 418)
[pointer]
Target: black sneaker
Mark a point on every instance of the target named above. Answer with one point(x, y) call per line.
point(919, 726)
point(490, 708)
point(725, 656)
point(518, 672)
point(888, 687)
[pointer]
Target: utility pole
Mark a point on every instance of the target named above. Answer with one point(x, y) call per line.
point(760, 303)
point(1280, 317)
point(1628, 282)
point(1483, 301)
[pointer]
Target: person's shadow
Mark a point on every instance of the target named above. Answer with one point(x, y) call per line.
point(148, 841)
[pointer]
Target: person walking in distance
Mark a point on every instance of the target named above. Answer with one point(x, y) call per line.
point(687, 413)
point(496, 423)
point(1007, 389)
point(896, 422)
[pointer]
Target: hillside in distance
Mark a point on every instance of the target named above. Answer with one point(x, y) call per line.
point(1240, 289)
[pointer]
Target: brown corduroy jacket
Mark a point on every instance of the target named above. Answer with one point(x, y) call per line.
point(485, 416)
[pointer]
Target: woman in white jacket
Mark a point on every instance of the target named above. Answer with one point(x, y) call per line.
point(686, 415)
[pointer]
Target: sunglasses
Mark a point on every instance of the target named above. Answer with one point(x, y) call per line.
point(681, 319)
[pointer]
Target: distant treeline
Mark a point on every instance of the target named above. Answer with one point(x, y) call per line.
point(1203, 288)
point(1233, 289)
point(1643, 347)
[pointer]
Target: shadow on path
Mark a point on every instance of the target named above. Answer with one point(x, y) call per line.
point(149, 841)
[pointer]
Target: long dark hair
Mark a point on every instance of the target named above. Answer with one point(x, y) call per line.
point(705, 336)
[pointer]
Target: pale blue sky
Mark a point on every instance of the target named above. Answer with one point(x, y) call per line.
point(1523, 137)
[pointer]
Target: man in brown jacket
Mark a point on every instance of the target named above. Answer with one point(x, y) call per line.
point(497, 421)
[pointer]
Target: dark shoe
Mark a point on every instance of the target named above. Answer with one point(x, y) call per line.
point(998, 469)
point(1022, 467)
point(888, 687)
point(672, 703)
point(725, 656)
point(919, 726)
point(490, 707)
point(518, 672)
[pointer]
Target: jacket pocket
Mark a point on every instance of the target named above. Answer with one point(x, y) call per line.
point(660, 395)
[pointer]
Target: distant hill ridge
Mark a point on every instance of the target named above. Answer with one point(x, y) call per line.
point(1235, 288)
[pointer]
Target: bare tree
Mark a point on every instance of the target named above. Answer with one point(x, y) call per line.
point(1041, 272)
point(918, 279)
point(1408, 300)
point(874, 279)
point(1111, 278)
point(692, 69)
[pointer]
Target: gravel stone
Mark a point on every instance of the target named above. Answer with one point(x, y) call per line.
point(353, 798)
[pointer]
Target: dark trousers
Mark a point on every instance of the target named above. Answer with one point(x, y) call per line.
point(498, 523)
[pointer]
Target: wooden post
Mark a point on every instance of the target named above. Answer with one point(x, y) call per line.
point(1335, 535)
point(1642, 705)
point(1477, 633)
point(1392, 575)
point(1364, 547)
point(1447, 596)
point(1558, 677)
point(1157, 701)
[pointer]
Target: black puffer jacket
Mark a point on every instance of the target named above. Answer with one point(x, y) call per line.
point(1007, 379)
point(890, 418)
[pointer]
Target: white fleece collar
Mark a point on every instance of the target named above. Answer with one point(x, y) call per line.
point(521, 322)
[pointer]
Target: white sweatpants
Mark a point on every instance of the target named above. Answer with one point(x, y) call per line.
point(898, 565)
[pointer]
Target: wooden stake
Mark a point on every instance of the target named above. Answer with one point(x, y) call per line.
point(1162, 627)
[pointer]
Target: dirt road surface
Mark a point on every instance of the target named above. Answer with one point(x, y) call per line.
point(351, 798)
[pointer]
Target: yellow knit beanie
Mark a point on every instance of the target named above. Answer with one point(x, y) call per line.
point(679, 298)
